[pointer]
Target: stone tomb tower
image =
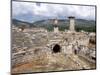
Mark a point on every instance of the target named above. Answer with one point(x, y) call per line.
point(72, 23)
point(56, 30)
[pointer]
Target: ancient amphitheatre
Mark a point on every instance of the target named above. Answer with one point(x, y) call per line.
point(37, 50)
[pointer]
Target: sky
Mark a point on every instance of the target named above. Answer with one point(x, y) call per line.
point(31, 12)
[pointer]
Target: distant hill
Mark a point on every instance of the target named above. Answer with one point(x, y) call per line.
point(18, 23)
point(80, 24)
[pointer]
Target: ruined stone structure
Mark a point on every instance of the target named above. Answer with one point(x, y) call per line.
point(52, 51)
point(56, 29)
point(72, 23)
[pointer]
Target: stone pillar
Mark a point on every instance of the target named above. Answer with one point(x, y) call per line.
point(72, 23)
point(56, 29)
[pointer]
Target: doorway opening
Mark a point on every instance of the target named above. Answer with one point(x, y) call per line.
point(56, 48)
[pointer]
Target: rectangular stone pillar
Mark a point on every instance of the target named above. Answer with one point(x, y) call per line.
point(72, 23)
point(56, 29)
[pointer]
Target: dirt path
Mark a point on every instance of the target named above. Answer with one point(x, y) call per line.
point(61, 62)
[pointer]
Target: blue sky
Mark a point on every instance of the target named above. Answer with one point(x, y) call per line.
point(32, 12)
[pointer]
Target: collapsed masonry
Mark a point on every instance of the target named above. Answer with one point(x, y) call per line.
point(48, 48)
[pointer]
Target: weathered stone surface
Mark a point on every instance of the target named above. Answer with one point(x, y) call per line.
point(35, 48)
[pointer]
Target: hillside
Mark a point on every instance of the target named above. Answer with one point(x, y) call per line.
point(81, 24)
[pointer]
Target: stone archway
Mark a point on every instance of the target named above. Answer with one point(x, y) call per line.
point(56, 48)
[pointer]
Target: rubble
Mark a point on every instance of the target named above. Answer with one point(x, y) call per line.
point(50, 51)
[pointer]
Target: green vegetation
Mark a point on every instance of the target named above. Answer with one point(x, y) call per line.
point(88, 29)
point(80, 24)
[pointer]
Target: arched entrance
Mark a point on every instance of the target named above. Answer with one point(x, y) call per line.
point(56, 48)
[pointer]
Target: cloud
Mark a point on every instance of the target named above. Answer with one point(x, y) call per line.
point(32, 11)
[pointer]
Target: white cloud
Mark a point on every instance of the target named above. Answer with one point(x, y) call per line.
point(54, 10)
point(21, 8)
